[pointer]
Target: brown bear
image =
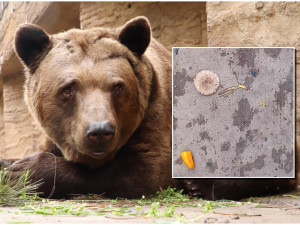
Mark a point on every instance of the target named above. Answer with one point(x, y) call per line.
point(104, 98)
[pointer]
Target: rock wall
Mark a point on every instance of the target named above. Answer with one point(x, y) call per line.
point(2, 139)
point(17, 120)
point(266, 24)
point(173, 24)
point(53, 17)
point(19, 134)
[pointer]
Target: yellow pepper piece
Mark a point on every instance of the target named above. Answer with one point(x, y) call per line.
point(263, 103)
point(242, 86)
point(187, 158)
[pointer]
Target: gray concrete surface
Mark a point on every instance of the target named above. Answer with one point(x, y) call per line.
point(249, 133)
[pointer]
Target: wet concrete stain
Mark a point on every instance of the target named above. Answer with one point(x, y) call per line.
point(240, 146)
point(204, 149)
point(225, 169)
point(213, 106)
point(175, 123)
point(179, 161)
point(225, 146)
point(243, 116)
point(281, 96)
point(248, 82)
point(251, 134)
point(188, 125)
point(273, 52)
point(258, 163)
point(179, 82)
point(288, 165)
point(204, 135)
point(290, 75)
point(175, 101)
point(278, 155)
point(200, 120)
point(230, 62)
point(212, 166)
point(246, 57)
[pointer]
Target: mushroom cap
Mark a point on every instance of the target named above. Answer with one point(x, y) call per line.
point(207, 82)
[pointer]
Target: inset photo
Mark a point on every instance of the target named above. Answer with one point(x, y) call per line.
point(233, 112)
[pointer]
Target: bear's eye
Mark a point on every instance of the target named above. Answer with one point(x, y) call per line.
point(118, 89)
point(67, 92)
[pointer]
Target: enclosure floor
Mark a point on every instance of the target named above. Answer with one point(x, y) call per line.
point(271, 209)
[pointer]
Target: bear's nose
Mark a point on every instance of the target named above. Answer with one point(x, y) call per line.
point(100, 132)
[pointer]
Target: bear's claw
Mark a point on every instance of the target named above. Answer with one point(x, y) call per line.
point(192, 188)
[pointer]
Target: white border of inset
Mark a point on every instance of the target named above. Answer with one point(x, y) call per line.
point(294, 111)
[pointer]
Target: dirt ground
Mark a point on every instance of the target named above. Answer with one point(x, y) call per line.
point(272, 209)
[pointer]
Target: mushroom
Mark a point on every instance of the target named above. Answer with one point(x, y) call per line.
point(207, 82)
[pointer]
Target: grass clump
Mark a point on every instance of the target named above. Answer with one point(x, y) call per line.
point(16, 191)
point(156, 212)
point(292, 196)
point(169, 195)
point(208, 206)
point(58, 209)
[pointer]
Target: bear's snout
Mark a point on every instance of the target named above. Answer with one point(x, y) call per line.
point(100, 132)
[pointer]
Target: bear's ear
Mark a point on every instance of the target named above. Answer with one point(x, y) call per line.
point(136, 35)
point(31, 42)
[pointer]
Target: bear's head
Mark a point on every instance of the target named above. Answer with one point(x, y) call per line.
point(88, 89)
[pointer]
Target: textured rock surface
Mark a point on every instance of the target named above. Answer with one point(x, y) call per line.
point(173, 24)
point(17, 120)
point(53, 17)
point(19, 134)
point(2, 139)
point(242, 24)
point(254, 24)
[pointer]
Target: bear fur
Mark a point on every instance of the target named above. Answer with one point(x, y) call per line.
point(79, 77)
point(121, 77)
